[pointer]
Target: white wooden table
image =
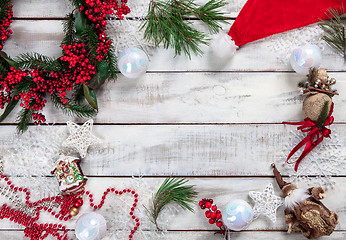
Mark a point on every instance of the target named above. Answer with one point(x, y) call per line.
point(218, 124)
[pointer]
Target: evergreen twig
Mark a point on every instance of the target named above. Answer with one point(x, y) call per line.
point(335, 30)
point(166, 23)
point(112, 61)
point(68, 25)
point(36, 60)
point(172, 190)
point(24, 118)
point(74, 109)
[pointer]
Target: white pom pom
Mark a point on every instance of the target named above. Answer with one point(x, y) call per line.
point(223, 46)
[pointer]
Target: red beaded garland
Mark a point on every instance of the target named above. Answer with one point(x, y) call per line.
point(35, 231)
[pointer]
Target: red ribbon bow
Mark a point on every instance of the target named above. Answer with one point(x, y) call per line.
point(315, 136)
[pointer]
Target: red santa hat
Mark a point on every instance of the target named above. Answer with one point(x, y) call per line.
point(262, 18)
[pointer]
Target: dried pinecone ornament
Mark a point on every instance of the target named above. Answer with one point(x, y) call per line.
point(304, 212)
point(318, 108)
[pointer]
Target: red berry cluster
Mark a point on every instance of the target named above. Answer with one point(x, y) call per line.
point(7, 84)
point(81, 68)
point(5, 24)
point(79, 71)
point(212, 213)
point(97, 11)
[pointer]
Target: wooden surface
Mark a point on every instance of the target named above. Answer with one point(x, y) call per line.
point(217, 123)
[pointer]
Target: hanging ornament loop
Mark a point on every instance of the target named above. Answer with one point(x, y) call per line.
point(315, 136)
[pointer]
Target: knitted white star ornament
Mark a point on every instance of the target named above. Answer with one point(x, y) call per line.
point(80, 137)
point(266, 203)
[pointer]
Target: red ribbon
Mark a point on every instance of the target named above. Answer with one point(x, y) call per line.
point(315, 136)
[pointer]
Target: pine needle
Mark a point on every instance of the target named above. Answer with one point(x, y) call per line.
point(24, 118)
point(172, 190)
point(166, 24)
point(68, 25)
point(335, 30)
point(27, 61)
point(74, 109)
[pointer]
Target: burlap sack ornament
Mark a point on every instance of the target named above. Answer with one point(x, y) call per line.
point(318, 108)
point(314, 103)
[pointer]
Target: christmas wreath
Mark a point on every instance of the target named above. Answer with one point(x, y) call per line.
point(87, 61)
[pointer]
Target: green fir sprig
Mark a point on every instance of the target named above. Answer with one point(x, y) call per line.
point(72, 108)
point(172, 190)
point(168, 22)
point(27, 61)
point(323, 115)
point(335, 35)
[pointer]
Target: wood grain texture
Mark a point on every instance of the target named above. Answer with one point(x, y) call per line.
point(215, 121)
point(45, 37)
point(202, 98)
point(189, 150)
point(221, 190)
point(58, 9)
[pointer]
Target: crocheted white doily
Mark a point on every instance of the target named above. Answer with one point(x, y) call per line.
point(318, 167)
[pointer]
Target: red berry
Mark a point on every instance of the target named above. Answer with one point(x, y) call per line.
point(207, 204)
point(218, 215)
point(207, 214)
point(219, 224)
point(211, 221)
point(214, 208)
point(213, 215)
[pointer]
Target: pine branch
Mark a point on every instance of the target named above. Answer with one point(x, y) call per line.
point(3, 68)
point(68, 25)
point(112, 62)
point(165, 24)
point(36, 60)
point(335, 35)
point(24, 118)
point(172, 190)
point(90, 37)
point(73, 109)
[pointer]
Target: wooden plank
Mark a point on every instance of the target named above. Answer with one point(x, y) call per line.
point(45, 37)
point(221, 190)
point(186, 150)
point(244, 235)
point(54, 9)
point(201, 98)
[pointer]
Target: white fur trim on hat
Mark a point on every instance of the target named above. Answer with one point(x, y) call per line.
point(222, 45)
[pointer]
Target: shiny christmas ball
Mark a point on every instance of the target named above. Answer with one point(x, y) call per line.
point(237, 215)
point(306, 57)
point(133, 63)
point(74, 211)
point(91, 226)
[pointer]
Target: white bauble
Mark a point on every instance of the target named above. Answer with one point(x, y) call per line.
point(133, 62)
point(237, 215)
point(305, 57)
point(91, 226)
